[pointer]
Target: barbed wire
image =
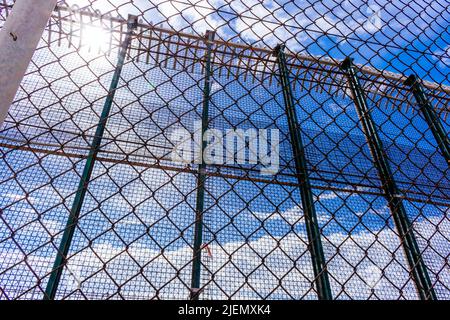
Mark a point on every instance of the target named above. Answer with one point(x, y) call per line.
point(94, 207)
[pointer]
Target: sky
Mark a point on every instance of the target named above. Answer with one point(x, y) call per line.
point(403, 37)
point(136, 218)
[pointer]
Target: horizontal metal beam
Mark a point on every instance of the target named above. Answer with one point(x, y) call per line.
point(307, 197)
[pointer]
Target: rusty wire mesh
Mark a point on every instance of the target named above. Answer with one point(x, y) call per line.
point(134, 238)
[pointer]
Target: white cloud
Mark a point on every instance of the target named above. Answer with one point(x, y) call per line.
point(19, 197)
point(350, 268)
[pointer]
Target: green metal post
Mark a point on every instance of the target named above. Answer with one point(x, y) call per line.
point(430, 116)
point(312, 226)
point(66, 240)
point(198, 228)
point(404, 227)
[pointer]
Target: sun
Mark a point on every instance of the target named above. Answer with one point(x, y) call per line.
point(95, 39)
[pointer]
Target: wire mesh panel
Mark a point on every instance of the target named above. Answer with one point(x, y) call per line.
point(329, 178)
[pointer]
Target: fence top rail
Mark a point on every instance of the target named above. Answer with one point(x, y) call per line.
point(258, 61)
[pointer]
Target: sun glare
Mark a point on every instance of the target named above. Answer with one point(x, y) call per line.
point(95, 39)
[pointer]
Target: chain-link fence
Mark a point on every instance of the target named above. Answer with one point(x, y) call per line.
point(93, 206)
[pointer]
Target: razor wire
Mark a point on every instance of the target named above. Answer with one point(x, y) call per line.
point(358, 208)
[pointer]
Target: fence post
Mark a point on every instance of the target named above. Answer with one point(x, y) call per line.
point(430, 115)
point(198, 228)
point(72, 220)
point(392, 194)
point(19, 38)
point(312, 226)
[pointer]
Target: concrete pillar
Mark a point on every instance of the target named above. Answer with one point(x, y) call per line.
point(19, 38)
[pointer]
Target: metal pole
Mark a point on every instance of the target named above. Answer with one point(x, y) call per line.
point(404, 227)
point(198, 229)
point(19, 38)
point(66, 240)
point(312, 226)
point(430, 116)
